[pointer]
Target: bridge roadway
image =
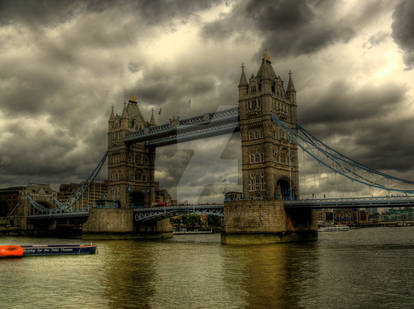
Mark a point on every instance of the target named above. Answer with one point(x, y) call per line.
point(147, 214)
point(60, 215)
point(357, 202)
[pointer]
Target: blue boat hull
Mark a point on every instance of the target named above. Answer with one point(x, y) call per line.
point(38, 250)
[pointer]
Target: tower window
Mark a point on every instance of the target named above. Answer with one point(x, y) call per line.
point(253, 89)
point(260, 87)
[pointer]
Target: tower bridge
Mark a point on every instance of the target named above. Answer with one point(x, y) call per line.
point(271, 208)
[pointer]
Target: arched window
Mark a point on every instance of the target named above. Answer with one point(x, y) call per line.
point(138, 174)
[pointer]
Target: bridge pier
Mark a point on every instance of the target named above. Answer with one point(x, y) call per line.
point(262, 222)
point(119, 223)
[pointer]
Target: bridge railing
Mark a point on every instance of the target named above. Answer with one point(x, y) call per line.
point(190, 135)
point(183, 124)
point(355, 199)
point(194, 120)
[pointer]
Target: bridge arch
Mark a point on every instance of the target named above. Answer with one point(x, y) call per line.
point(137, 198)
point(284, 191)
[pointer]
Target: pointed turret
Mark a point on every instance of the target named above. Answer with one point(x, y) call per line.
point(112, 113)
point(152, 121)
point(266, 71)
point(124, 117)
point(243, 79)
point(243, 85)
point(290, 91)
point(291, 86)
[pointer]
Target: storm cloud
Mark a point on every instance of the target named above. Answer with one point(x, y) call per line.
point(403, 30)
point(292, 28)
point(64, 64)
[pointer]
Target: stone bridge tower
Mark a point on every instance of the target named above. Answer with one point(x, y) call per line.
point(269, 160)
point(130, 167)
point(269, 164)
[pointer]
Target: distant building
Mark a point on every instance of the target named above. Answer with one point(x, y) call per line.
point(12, 194)
point(162, 197)
point(97, 191)
point(398, 215)
point(346, 216)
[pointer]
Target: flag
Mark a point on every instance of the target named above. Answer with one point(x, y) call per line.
point(159, 112)
point(189, 103)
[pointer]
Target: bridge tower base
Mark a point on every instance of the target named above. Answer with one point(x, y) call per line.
point(119, 223)
point(263, 222)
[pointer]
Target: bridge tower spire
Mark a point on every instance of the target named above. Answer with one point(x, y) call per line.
point(270, 167)
point(243, 85)
point(130, 167)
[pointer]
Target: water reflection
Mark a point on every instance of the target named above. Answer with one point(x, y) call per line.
point(129, 273)
point(371, 268)
point(273, 276)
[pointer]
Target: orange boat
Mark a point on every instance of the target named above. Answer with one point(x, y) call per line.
point(11, 251)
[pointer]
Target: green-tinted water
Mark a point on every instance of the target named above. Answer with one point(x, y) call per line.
point(366, 268)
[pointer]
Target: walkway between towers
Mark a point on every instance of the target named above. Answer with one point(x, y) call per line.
point(203, 126)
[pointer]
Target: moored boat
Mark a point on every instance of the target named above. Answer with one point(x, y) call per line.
point(36, 250)
point(334, 228)
point(11, 251)
point(42, 250)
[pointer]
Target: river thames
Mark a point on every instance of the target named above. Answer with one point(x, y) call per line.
point(363, 268)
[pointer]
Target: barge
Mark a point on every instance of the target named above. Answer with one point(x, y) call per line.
point(10, 251)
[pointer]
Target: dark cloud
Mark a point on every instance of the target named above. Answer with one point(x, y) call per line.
point(133, 67)
point(343, 102)
point(364, 123)
point(50, 12)
point(64, 63)
point(294, 27)
point(403, 30)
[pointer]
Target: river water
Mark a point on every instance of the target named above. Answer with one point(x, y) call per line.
point(364, 268)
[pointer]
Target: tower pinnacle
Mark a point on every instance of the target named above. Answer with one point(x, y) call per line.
point(266, 56)
point(152, 121)
point(290, 87)
point(243, 80)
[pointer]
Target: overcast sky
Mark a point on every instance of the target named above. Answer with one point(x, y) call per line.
point(63, 64)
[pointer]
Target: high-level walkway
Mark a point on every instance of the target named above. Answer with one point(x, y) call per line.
point(203, 126)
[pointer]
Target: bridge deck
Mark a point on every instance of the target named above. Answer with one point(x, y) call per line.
point(62, 215)
point(359, 202)
point(145, 214)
